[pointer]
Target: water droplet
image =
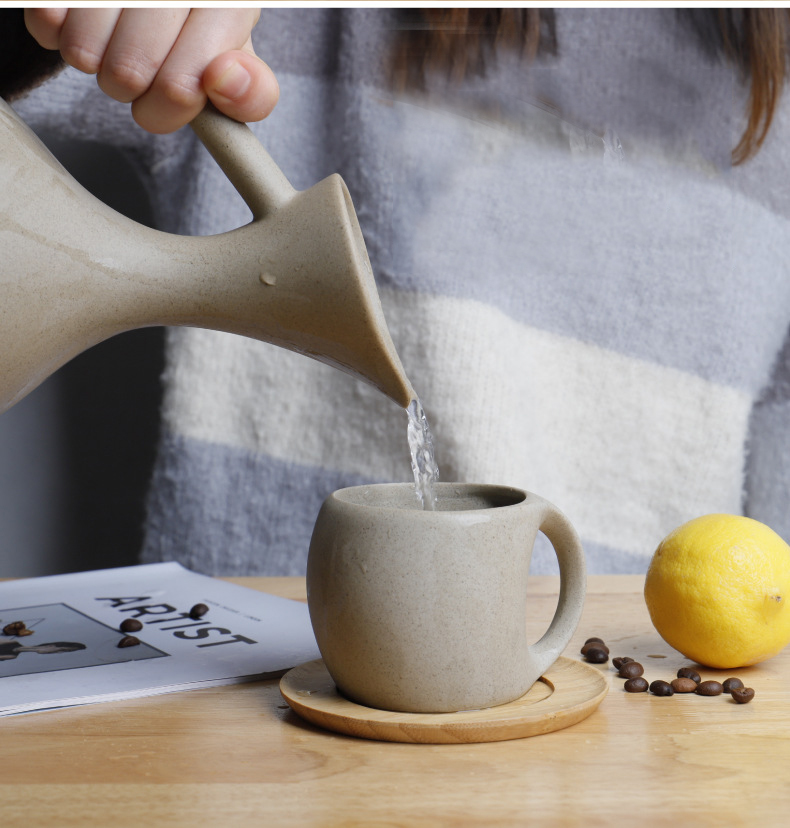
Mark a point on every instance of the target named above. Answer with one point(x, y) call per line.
point(268, 279)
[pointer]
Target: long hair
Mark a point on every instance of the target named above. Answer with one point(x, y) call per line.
point(462, 42)
point(758, 46)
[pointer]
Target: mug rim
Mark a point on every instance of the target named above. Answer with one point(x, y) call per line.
point(508, 496)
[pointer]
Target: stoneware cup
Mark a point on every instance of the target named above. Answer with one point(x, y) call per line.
point(425, 612)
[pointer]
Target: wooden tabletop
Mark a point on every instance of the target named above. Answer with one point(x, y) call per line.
point(238, 756)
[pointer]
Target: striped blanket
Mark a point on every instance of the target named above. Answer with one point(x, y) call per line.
point(590, 301)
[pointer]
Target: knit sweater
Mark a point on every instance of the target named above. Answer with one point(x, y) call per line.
point(590, 301)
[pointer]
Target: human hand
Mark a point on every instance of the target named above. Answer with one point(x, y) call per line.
point(165, 62)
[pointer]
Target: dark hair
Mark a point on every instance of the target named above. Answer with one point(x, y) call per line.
point(461, 42)
point(23, 63)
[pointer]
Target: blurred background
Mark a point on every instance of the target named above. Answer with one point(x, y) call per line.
point(77, 453)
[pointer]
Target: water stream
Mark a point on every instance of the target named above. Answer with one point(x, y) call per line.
point(423, 461)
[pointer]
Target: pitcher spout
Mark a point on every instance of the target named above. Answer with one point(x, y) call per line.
point(344, 326)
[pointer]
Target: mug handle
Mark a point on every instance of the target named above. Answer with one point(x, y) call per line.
point(573, 582)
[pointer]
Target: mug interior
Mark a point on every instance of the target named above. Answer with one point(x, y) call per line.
point(450, 497)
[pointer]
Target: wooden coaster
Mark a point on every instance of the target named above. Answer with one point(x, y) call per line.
point(565, 695)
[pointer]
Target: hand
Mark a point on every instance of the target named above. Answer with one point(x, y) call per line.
point(165, 62)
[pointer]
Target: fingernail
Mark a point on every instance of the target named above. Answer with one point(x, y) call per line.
point(233, 82)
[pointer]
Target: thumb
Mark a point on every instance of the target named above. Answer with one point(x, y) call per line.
point(241, 85)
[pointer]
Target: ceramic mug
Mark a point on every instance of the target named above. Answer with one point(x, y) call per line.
point(425, 612)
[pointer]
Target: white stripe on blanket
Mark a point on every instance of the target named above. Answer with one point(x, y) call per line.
point(625, 482)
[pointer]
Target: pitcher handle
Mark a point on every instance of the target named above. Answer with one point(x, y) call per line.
point(240, 155)
point(573, 581)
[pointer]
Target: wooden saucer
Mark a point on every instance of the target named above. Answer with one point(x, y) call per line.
point(565, 695)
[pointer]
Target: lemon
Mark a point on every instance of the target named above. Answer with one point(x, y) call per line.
point(718, 588)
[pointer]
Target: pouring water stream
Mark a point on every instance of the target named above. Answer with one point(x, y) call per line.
point(423, 461)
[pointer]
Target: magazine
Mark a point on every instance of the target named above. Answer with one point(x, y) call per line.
point(61, 642)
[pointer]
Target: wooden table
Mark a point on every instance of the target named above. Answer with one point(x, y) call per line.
point(238, 756)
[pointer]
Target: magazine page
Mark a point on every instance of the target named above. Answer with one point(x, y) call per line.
point(61, 641)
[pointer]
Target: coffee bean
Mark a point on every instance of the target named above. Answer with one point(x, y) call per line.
point(659, 687)
point(618, 662)
point(684, 685)
point(709, 688)
point(595, 640)
point(730, 684)
point(198, 611)
point(687, 672)
point(742, 695)
point(594, 645)
point(14, 628)
point(129, 641)
point(635, 685)
point(25, 632)
point(631, 669)
point(596, 656)
point(129, 625)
